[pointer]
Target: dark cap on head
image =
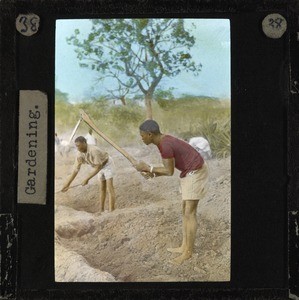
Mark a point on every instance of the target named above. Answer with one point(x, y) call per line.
point(150, 126)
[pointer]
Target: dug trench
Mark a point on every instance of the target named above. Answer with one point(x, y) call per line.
point(129, 244)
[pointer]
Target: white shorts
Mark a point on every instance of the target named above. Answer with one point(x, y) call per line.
point(194, 185)
point(108, 170)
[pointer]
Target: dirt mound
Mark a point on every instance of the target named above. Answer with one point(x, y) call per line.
point(130, 243)
point(71, 223)
point(71, 267)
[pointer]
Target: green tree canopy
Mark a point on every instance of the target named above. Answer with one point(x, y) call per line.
point(61, 96)
point(137, 53)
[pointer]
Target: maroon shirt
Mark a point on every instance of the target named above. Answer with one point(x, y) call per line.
point(186, 157)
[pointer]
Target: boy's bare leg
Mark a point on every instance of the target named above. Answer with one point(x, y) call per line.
point(102, 195)
point(183, 246)
point(191, 227)
point(111, 194)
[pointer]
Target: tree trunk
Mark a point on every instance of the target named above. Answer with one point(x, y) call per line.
point(148, 106)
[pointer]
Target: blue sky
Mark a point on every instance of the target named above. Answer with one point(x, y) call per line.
point(211, 49)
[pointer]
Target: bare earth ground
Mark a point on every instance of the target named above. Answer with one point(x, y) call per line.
point(130, 243)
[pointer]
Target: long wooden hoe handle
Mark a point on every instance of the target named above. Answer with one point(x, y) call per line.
point(91, 124)
point(75, 129)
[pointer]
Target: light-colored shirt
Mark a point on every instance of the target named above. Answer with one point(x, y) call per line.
point(202, 146)
point(93, 156)
point(91, 140)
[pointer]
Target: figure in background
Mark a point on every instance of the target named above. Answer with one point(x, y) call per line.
point(90, 139)
point(201, 145)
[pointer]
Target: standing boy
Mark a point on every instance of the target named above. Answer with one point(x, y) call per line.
point(178, 154)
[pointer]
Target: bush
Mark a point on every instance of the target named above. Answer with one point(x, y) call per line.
point(184, 117)
point(218, 133)
point(199, 116)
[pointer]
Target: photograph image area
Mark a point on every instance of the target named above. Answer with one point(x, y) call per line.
point(142, 150)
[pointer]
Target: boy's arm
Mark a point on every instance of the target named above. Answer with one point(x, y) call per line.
point(97, 169)
point(166, 170)
point(70, 180)
point(75, 172)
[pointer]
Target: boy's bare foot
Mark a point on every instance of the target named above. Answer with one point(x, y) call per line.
point(180, 259)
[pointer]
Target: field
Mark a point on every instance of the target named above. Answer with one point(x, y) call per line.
point(129, 244)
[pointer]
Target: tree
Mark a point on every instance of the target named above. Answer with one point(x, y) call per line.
point(120, 93)
point(137, 53)
point(61, 96)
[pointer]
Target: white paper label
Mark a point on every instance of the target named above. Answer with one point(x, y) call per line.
point(32, 167)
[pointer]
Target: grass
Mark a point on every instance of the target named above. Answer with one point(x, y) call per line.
point(184, 117)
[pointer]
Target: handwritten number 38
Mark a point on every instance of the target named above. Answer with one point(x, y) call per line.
point(275, 23)
point(32, 24)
